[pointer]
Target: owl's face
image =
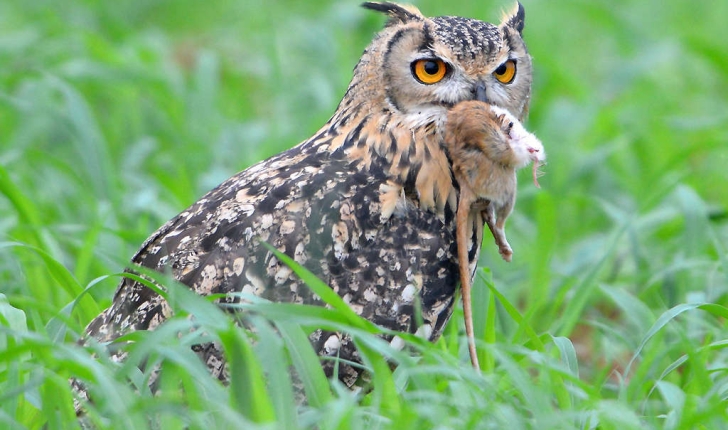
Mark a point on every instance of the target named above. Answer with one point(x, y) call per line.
point(393, 117)
point(430, 64)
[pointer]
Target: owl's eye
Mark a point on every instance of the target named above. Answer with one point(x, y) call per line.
point(506, 72)
point(429, 71)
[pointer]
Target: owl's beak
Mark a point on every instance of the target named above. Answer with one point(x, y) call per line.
point(480, 92)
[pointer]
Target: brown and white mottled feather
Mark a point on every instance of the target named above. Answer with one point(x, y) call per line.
point(367, 204)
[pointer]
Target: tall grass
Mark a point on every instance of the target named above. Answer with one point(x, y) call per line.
point(114, 116)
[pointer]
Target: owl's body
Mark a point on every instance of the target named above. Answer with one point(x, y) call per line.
point(367, 204)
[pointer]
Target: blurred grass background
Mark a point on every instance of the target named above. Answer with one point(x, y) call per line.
point(115, 116)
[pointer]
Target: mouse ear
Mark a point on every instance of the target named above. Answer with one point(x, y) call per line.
point(506, 124)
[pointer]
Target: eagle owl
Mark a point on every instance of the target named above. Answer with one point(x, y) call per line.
point(367, 203)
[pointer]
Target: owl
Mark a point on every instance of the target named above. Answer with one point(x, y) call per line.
point(367, 203)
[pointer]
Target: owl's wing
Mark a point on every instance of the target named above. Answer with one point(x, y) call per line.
point(323, 211)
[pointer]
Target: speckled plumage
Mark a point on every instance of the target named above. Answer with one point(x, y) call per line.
point(367, 204)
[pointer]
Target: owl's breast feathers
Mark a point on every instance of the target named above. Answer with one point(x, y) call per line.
point(366, 206)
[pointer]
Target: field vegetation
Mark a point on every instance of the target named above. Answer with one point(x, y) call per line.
point(115, 116)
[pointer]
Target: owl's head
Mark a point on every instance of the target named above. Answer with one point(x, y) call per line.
point(420, 67)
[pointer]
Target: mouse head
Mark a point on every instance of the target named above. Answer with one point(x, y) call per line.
point(523, 146)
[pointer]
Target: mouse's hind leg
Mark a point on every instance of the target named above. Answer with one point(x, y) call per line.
point(497, 228)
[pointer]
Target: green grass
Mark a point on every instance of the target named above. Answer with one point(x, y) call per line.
point(114, 116)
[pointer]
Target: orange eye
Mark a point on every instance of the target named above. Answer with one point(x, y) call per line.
point(506, 72)
point(429, 71)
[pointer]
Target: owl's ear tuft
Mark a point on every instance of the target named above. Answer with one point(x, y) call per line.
point(516, 18)
point(398, 14)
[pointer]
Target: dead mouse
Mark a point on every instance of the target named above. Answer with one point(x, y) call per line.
point(487, 144)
